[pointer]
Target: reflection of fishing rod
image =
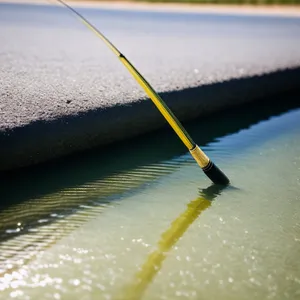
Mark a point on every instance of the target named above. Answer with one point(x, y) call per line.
point(209, 168)
point(168, 239)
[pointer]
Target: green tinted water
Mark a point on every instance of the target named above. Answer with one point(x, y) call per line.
point(148, 225)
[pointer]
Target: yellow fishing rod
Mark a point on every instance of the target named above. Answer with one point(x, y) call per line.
point(208, 167)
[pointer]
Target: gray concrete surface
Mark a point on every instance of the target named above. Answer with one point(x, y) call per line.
point(62, 90)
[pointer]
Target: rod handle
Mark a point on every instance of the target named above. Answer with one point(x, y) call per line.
point(208, 167)
point(215, 174)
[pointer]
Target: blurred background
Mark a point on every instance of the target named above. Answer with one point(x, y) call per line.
point(256, 2)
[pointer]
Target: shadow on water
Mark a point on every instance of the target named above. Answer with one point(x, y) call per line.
point(77, 169)
point(34, 196)
point(40, 205)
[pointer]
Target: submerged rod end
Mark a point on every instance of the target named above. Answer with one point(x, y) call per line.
point(208, 167)
point(215, 174)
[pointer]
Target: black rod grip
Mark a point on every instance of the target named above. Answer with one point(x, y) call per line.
point(215, 174)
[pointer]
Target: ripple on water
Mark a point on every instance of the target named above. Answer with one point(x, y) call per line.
point(155, 231)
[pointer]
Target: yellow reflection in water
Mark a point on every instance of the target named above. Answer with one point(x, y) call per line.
point(50, 217)
point(168, 239)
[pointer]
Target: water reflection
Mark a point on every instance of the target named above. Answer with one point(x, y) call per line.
point(168, 239)
point(41, 205)
point(82, 168)
point(25, 216)
point(241, 242)
point(30, 196)
point(32, 226)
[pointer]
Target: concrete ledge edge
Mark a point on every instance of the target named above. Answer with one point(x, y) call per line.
point(41, 141)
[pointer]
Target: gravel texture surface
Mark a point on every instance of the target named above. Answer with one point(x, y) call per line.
point(62, 90)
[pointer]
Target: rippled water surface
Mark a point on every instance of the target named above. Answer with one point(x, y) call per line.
point(143, 222)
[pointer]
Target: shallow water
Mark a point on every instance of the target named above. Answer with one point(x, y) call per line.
point(148, 224)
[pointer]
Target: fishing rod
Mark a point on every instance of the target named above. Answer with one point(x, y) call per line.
point(208, 167)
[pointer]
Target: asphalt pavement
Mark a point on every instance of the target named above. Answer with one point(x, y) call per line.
point(62, 90)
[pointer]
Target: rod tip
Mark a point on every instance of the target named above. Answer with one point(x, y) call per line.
point(215, 174)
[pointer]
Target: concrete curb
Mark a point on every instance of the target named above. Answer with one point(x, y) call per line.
point(40, 141)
